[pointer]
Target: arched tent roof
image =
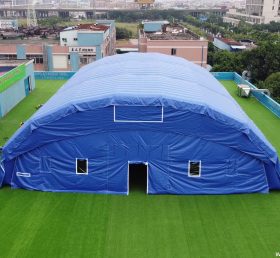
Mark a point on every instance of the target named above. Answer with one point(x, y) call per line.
point(142, 79)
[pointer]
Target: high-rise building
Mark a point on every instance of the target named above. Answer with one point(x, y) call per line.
point(256, 11)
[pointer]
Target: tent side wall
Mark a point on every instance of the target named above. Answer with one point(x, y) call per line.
point(167, 147)
point(53, 167)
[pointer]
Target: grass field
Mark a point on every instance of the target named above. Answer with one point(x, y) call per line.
point(264, 119)
point(38, 224)
point(133, 27)
point(10, 123)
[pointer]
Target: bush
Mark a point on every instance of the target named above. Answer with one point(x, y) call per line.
point(123, 33)
point(273, 84)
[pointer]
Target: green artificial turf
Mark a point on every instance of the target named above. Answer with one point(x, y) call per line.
point(40, 224)
point(267, 122)
point(11, 122)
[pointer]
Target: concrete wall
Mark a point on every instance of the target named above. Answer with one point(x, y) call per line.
point(112, 34)
point(15, 93)
point(86, 39)
point(49, 52)
point(21, 52)
point(192, 50)
point(69, 35)
point(75, 61)
point(53, 75)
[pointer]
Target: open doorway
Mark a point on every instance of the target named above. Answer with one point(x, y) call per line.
point(137, 177)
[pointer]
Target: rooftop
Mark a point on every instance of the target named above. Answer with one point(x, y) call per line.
point(8, 65)
point(12, 63)
point(92, 27)
point(171, 32)
point(29, 41)
point(248, 221)
point(230, 42)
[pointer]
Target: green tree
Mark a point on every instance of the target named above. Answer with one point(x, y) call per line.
point(263, 60)
point(123, 33)
point(225, 61)
point(272, 83)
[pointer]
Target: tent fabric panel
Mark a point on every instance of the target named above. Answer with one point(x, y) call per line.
point(108, 165)
point(114, 83)
point(174, 121)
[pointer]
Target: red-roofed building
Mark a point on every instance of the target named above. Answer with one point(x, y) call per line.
point(228, 44)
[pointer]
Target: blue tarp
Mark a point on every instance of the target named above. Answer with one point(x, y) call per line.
point(160, 110)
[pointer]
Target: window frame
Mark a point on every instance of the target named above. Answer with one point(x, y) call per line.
point(189, 166)
point(78, 173)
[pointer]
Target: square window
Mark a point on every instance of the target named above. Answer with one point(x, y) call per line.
point(82, 166)
point(194, 168)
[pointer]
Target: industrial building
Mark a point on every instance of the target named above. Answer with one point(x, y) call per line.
point(89, 42)
point(16, 82)
point(173, 39)
point(256, 11)
point(78, 46)
point(162, 113)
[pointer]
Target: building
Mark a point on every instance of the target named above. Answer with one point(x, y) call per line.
point(16, 82)
point(89, 42)
point(228, 44)
point(78, 46)
point(173, 39)
point(47, 55)
point(256, 11)
point(162, 113)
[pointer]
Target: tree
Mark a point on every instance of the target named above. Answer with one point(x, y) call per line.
point(263, 60)
point(123, 33)
point(52, 21)
point(273, 84)
point(225, 61)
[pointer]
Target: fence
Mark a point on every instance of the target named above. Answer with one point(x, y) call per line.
point(53, 75)
point(264, 99)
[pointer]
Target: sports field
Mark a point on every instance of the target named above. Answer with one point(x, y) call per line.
point(38, 224)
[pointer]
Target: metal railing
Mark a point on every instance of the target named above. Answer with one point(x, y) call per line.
point(263, 98)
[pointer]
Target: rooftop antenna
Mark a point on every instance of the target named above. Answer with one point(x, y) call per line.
point(31, 14)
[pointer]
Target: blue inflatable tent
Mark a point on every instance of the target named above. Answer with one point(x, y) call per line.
point(163, 112)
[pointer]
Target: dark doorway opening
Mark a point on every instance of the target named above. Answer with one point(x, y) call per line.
point(138, 177)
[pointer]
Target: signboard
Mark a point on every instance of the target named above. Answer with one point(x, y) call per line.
point(83, 50)
point(9, 78)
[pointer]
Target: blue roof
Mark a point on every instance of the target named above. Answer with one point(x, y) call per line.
point(145, 75)
point(142, 79)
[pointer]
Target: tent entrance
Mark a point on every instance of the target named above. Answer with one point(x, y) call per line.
point(137, 177)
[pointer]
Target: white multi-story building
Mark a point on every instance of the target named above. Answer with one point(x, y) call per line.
point(256, 11)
